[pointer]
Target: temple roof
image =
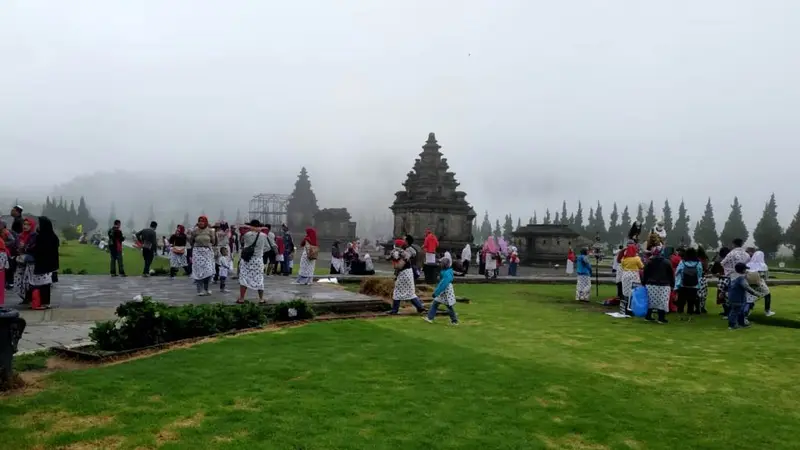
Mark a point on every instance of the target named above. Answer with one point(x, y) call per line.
point(431, 183)
point(532, 230)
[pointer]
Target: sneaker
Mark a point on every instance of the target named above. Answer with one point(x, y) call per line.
point(455, 324)
point(201, 294)
point(663, 321)
point(732, 328)
point(427, 320)
point(746, 325)
point(123, 275)
point(113, 275)
point(223, 291)
point(208, 292)
point(769, 313)
point(649, 319)
point(145, 275)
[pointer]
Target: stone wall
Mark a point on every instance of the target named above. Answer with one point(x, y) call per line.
point(445, 226)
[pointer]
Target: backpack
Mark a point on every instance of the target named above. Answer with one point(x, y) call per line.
point(690, 276)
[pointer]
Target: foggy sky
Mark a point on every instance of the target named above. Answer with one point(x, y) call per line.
point(533, 102)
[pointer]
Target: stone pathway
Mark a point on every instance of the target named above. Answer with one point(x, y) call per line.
point(80, 300)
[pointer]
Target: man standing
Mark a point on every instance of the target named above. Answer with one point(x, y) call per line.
point(149, 240)
point(115, 240)
point(16, 214)
point(288, 251)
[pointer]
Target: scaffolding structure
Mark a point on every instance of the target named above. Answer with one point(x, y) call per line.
point(269, 208)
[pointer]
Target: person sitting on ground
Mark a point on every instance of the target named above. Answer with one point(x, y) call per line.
point(687, 282)
point(444, 293)
point(658, 278)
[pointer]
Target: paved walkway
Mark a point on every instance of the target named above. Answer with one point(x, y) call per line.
point(80, 300)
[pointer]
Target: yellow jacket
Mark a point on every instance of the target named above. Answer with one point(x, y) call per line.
point(632, 263)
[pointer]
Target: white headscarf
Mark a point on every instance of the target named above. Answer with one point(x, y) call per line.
point(466, 254)
point(757, 263)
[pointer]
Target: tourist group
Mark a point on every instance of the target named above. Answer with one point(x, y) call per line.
point(656, 279)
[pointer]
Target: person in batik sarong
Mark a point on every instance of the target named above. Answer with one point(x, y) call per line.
point(659, 279)
point(177, 252)
point(404, 289)
point(307, 265)
point(444, 293)
point(251, 273)
point(629, 265)
point(583, 269)
point(203, 241)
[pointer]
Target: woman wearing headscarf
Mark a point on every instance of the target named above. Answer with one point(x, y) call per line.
point(659, 279)
point(308, 260)
point(570, 261)
point(203, 240)
point(251, 272)
point(702, 292)
point(759, 265)
point(177, 253)
point(490, 250)
point(404, 289)
point(583, 268)
point(42, 248)
point(466, 255)
point(337, 263)
point(21, 276)
point(630, 265)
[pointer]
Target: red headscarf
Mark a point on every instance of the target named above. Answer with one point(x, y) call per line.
point(399, 242)
point(571, 256)
point(311, 236)
point(430, 244)
point(202, 219)
point(23, 237)
point(180, 230)
point(631, 251)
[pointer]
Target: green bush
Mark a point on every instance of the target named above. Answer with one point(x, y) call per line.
point(145, 323)
point(70, 233)
point(67, 271)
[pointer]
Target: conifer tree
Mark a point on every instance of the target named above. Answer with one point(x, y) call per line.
point(613, 224)
point(666, 217)
point(640, 215)
point(85, 218)
point(792, 235)
point(680, 233)
point(530, 220)
point(650, 218)
point(547, 220)
point(600, 223)
point(519, 223)
point(497, 231)
point(476, 232)
point(556, 219)
point(624, 225)
point(535, 220)
point(577, 222)
point(734, 227)
point(571, 221)
point(221, 217)
point(590, 223)
point(508, 227)
point(768, 234)
point(564, 217)
point(486, 226)
point(130, 225)
point(705, 231)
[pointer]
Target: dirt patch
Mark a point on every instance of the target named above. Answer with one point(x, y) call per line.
point(170, 432)
point(547, 403)
point(245, 404)
point(32, 381)
point(572, 442)
point(106, 443)
point(58, 422)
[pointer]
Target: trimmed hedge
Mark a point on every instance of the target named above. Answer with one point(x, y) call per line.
point(145, 323)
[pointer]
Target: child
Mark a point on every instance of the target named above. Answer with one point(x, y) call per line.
point(584, 270)
point(225, 267)
point(737, 298)
point(444, 293)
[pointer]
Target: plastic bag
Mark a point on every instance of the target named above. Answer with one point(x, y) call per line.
point(639, 301)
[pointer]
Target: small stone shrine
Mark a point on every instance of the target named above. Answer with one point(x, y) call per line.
point(430, 201)
point(302, 205)
point(544, 244)
point(334, 224)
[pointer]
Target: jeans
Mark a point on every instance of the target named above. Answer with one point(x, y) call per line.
point(222, 283)
point(512, 269)
point(202, 285)
point(116, 260)
point(450, 311)
point(736, 314)
point(414, 301)
point(148, 255)
point(285, 270)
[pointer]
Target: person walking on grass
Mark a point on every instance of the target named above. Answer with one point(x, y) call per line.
point(149, 240)
point(583, 269)
point(444, 293)
point(115, 239)
point(203, 241)
point(658, 279)
point(404, 289)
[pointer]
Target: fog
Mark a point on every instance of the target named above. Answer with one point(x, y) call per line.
point(195, 105)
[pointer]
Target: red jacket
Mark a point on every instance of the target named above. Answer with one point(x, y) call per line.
point(430, 244)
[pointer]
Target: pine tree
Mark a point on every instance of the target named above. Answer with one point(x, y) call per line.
point(112, 216)
point(768, 234)
point(600, 222)
point(624, 225)
point(571, 221)
point(476, 232)
point(613, 224)
point(508, 227)
point(680, 233)
point(792, 235)
point(535, 220)
point(640, 215)
point(486, 227)
point(530, 221)
point(497, 231)
point(705, 231)
point(577, 223)
point(650, 218)
point(557, 219)
point(564, 217)
point(130, 225)
point(666, 217)
point(590, 222)
point(519, 223)
point(734, 227)
point(85, 218)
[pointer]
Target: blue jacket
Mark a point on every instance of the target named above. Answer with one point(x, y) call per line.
point(583, 266)
point(679, 273)
point(737, 290)
point(446, 278)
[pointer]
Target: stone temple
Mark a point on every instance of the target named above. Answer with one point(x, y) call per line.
point(302, 211)
point(430, 201)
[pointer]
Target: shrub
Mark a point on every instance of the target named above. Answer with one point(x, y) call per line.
point(293, 310)
point(378, 286)
point(70, 233)
point(145, 323)
point(67, 271)
point(83, 272)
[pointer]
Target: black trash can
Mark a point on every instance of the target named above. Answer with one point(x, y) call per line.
point(11, 328)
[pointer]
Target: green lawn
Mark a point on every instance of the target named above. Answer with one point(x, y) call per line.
point(527, 369)
point(90, 260)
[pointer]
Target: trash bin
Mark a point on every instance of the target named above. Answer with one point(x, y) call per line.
point(11, 328)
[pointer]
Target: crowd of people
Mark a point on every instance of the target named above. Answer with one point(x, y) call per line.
point(28, 259)
point(676, 281)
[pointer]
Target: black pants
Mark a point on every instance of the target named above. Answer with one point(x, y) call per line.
point(12, 269)
point(148, 254)
point(619, 290)
point(688, 297)
point(466, 266)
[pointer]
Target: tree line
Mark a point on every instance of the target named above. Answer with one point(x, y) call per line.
point(768, 234)
point(66, 216)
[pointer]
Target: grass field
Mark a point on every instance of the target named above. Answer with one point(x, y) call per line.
point(527, 369)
